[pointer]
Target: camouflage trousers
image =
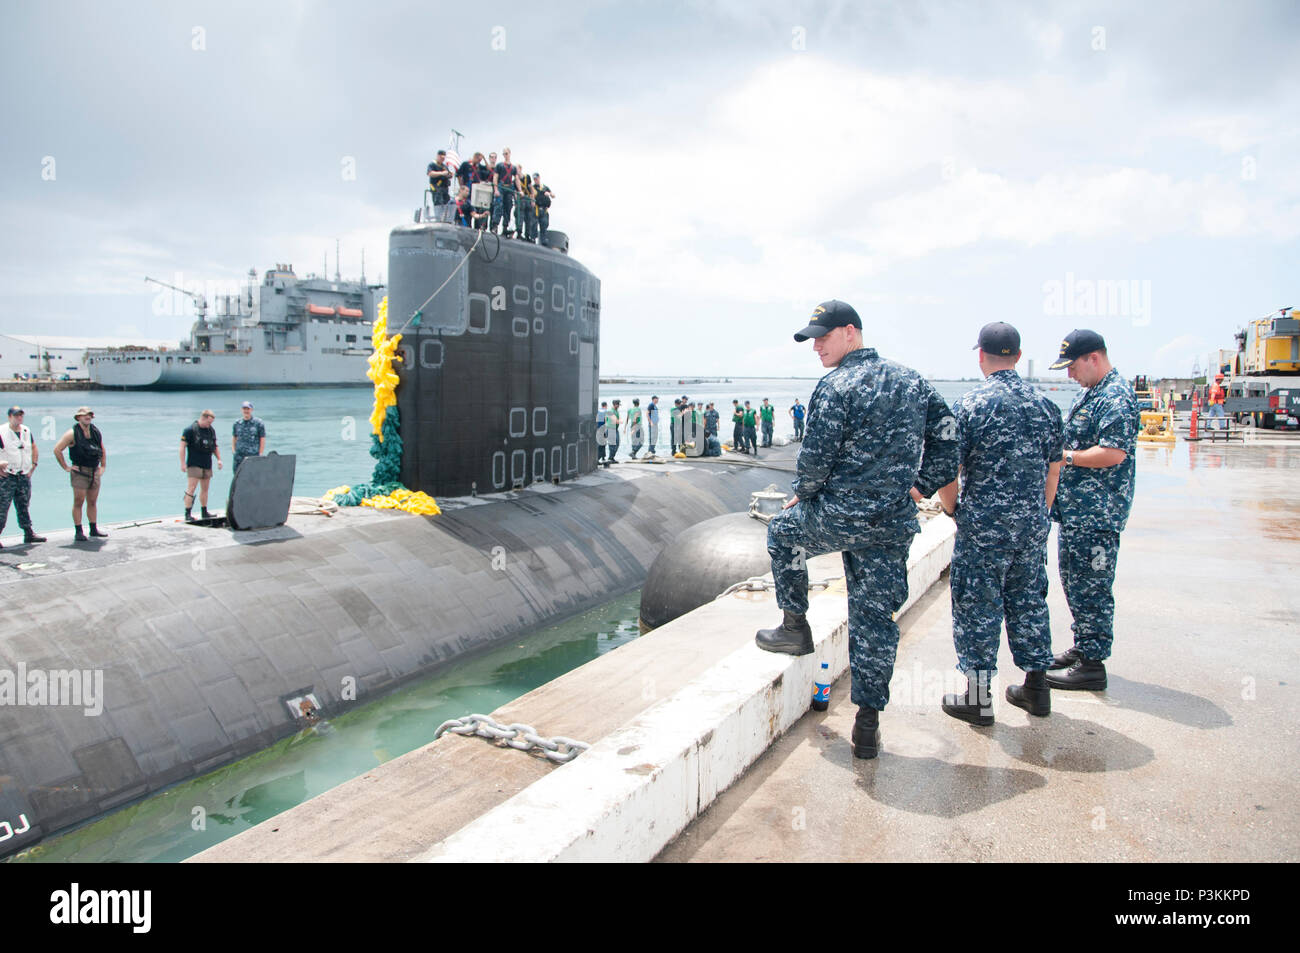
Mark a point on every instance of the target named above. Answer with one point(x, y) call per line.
point(991, 583)
point(502, 205)
point(15, 488)
point(876, 574)
point(1087, 559)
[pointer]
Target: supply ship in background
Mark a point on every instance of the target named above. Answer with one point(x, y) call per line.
point(283, 331)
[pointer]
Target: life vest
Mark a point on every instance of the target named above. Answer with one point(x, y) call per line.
point(86, 451)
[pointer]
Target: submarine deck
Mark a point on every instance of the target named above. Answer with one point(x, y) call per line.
point(1189, 755)
point(141, 540)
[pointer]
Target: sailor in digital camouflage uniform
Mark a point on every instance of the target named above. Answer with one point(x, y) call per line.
point(1092, 505)
point(875, 430)
point(1009, 443)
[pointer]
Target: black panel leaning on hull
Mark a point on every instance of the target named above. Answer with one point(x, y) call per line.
point(499, 381)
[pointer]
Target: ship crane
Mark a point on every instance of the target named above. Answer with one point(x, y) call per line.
point(200, 302)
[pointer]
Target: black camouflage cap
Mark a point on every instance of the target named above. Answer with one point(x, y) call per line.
point(998, 338)
point(826, 317)
point(1077, 343)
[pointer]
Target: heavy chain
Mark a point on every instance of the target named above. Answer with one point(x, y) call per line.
point(759, 584)
point(558, 749)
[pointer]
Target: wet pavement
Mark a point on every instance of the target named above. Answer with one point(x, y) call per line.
point(1189, 755)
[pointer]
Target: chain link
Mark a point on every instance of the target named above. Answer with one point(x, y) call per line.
point(559, 749)
point(759, 584)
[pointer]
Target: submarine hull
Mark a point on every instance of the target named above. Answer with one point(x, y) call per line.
point(206, 659)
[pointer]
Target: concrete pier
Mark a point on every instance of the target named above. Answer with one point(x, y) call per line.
point(1190, 755)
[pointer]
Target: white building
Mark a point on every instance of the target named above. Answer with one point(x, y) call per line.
point(50, 356)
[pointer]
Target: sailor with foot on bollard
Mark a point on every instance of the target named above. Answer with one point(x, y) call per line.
point(875, 430)
point(1009, 439)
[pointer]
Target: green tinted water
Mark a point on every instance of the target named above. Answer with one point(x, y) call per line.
point(183, 820)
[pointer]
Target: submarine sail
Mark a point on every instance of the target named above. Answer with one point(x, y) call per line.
point(498, 377)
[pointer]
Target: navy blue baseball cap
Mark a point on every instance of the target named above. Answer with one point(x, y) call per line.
point(1077, 343)
point(998, 338)
point(828, 316)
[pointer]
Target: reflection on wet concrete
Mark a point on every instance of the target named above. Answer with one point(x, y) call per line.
point(1184, 708)
point(1071, 744)
point(938, 788)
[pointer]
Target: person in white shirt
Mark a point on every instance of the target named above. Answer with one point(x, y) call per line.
point(18, 458)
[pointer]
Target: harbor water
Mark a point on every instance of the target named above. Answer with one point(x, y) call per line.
point(189, 817)
point(326, 428)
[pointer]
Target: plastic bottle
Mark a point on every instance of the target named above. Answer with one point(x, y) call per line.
point(821, 699)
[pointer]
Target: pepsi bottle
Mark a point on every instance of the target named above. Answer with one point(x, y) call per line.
point(821, 699)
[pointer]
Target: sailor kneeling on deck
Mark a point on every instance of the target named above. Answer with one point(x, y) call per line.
point(876, 429)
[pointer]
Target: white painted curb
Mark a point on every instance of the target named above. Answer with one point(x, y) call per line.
point(635, 790)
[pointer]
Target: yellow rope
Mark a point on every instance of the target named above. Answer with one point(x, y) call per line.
point(381, 369)
point(385, 380)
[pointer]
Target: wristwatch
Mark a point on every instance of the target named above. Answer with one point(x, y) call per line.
point(1069, 458)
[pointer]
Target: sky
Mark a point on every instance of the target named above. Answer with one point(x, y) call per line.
point(722, 167)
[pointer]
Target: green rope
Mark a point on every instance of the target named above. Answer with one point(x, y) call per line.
point(388, 465)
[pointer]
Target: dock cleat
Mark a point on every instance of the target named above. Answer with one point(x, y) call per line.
point(1034, 696)
point(1085, 675)
point(866, 733)
point(1065, 659)
point(792, 637)
point(973, 705)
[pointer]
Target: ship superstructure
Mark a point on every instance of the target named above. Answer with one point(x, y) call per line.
point(281, 331)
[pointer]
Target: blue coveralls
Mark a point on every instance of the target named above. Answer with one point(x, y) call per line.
point(875, 430)
point(1092, 506)
point(1008, 434)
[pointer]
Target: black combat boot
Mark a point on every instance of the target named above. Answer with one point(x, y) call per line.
point(81, 536)
point(793, 636)
point(206, 514)
point(95, 531)
point(974, 705)
point(29, 536)
point(1085, 675)
point(1065, 659)
point(1034, 696)
point(866, 733)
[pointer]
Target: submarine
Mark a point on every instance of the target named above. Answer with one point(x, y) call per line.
point(169, 650)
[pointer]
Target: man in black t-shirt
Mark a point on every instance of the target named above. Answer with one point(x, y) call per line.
point(440, 179)
point(503, 190)
point(198, 447)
